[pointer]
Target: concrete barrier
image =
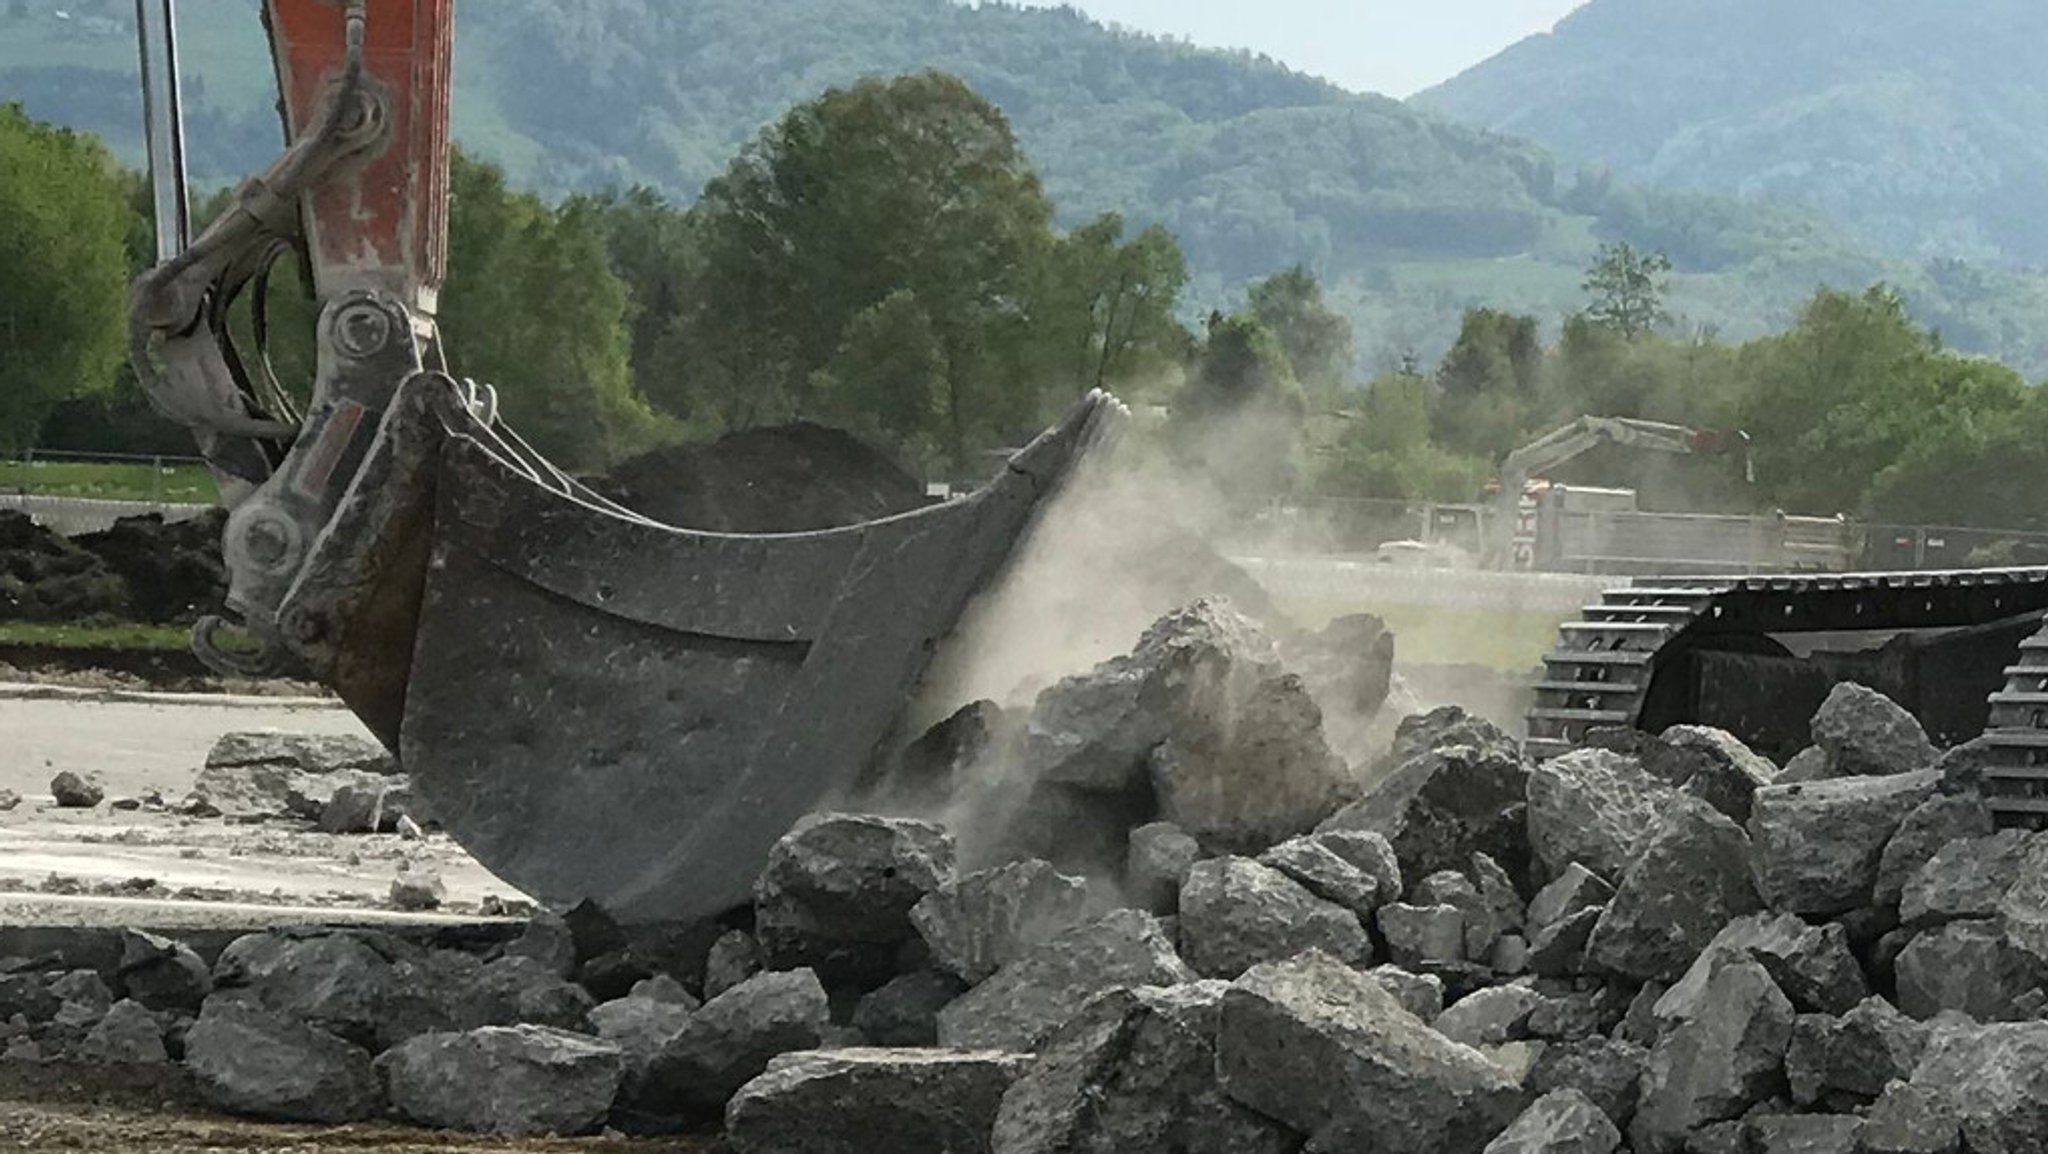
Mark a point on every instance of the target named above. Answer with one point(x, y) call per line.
point(1339, 579)
point(73, 516)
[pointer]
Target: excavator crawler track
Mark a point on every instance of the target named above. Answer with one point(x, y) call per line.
point(1971, 659)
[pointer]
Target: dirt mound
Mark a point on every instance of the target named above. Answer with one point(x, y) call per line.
point(141, 570)
point(784, 479)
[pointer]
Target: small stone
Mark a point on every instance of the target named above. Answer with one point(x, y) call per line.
point(1236, 913)
point(1864, 732)
point(9, 801)
point(127, 1034)
point(85, 998)
point(936, 1101)
point(1490, 1017)
point(1417, 935)
point(75, 792)
point(549, 941)
point(418, 890)
point(1560, 1122)
point(1808, 765)
point(1481, 920)
point(1420, 994)
point(515, 1081)
point(1559, 949)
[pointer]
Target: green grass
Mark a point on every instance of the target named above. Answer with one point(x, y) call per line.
point(1509, 640)
point(108, 481)
point(166, 637)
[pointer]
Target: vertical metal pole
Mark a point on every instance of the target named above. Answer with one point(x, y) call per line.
point(163, 114)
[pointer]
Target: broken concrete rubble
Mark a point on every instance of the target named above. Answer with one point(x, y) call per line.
point(513, 1081)
point(1236, 913)
point(1865, 733)
point(264, 1064)
point(1691, 878)
point(1713, 1067)
point(976, 925)
point(729, 1042)
point(837, 893)
point(1818, 846)
point(1443, 806)
point(1593, 807)
point(74, 792)
point(1320, 1047)
point(857, 1101)
point(1560, 1122)
point(1032, 996)
point(1156, 861)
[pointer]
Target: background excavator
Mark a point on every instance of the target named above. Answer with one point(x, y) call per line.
point(596, 705)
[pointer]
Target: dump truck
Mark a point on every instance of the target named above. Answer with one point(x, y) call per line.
point(594, 704)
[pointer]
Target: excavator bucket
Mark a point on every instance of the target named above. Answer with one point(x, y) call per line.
point(599, 706)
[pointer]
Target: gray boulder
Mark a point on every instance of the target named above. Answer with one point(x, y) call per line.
point(1865, 732)
point(1448, 726)
point(1034, 995)
point(1936, 822)
point(1994, 1082)
point(1323, 871)
point(1314, 1044)
point(253, 1061)
point(734, 958)
point(1818, 846)
point(74, 792)
point(1559, 949)
point(1575, 888)
point(1561, 1122)
point(127, 1034)
point(1592, 806)
point(1806, 1134)
point(84, 996)
point(1909, 1120)
point(418, 890)
point(858, 1101)
point(905, 1010)
point(2024, 908)
point(547, 939)
point(730, 1041)
point(1859, 1053)
point(1422, 935)
point(640, 1027)
point(1420, 994)
point(1157, 860)
point(1134, 1072)
point(980, 923)
point(163, 974)
point(1607, 1070)
point(1236, 913)
point(1490, 1017)
point(1446, 804)
point(1811, 964)
point(1964, 879)
point(838, 890)
point(508, 1080)
point(1808, 765)
point(1971, 967)
point(1715, 1066)
point(1691, 878)
point(335, 981)
point(1726, 773)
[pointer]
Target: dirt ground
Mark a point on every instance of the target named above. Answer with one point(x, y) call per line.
point(116, 1111)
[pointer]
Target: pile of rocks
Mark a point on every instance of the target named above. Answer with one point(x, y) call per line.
point(1656, 943)
point(343, 785)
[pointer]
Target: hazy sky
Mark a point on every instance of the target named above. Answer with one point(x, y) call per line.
point(1394, 47)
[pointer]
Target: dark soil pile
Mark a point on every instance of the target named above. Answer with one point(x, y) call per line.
point(784, 479)
point(141, 570)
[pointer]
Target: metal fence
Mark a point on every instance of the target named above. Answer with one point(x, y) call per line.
point(154, 479)
point(1629, 542)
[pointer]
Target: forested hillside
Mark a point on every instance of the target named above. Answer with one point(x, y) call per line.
point(1408, 219)
point(1916, 126)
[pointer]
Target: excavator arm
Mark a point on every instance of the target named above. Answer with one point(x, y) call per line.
point(594, 704)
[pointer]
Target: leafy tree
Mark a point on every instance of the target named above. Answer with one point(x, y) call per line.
point(1386, 451)
point(1316, 338)
point(63, 271)
point(913, 184)
point(532, 307)
point(1239, 418)
point(1103, 307)
point(889, 373)
point(1628, 289)
point(653, 251)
